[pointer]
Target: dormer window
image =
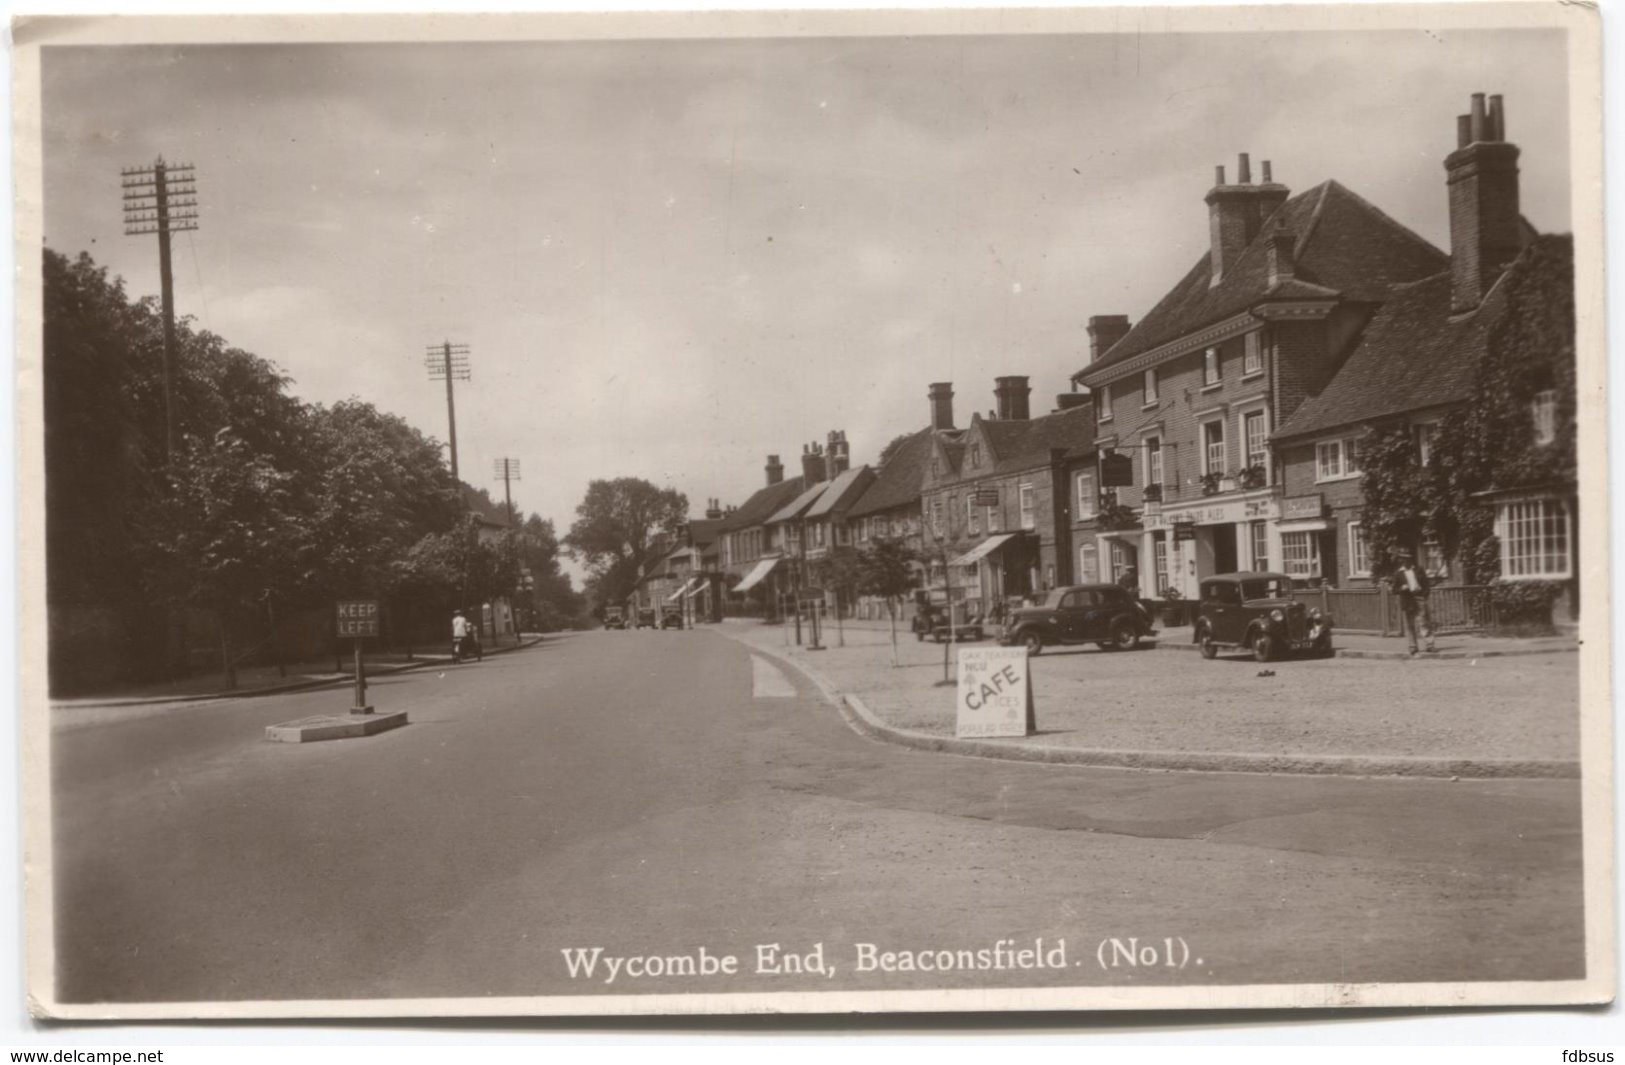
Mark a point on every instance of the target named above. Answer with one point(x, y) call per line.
point(975, 455)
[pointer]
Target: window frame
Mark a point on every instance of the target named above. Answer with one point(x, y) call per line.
point(1151, 448)
point(1027, 505)
point(1543, 413)
point(1359, 550)
point(1212, 367)
point(1088, 501)
point(1260, 558)
point(1423, 434)
point(1103, 404)
point(1207, 448)
point(1504, 533)
point(1311, 560)
point(1348, 459)
point(973, 520)
point(1252, 355)
point(1261, 416)
point(1151, 387)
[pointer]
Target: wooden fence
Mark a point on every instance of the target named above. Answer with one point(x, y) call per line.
point(1455, 608)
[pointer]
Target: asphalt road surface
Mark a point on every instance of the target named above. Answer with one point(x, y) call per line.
point(670, 796)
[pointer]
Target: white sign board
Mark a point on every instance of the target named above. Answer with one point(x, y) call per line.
point(993, 698)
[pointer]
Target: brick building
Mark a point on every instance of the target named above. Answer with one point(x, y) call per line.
point(994, 501)
point(1192, 393)
point(752, 555)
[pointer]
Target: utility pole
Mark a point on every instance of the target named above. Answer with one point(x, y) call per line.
point(448, 362)
point(162, 199)
point(508, 470)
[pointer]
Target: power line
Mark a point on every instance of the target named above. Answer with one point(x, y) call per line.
point(448, 362)
point(162, 199)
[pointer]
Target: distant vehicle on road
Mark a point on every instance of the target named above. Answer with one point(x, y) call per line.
point(614, 618)
point(646, 618)
point(671, 618)
point(1257, 612)
point(467, 647)
point(1103, 614)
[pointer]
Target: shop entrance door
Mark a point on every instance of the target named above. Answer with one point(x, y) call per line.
point(1224, 549)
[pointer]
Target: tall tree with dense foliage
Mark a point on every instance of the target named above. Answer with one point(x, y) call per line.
point(619, 525)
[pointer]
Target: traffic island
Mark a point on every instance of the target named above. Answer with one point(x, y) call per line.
point(334, 727)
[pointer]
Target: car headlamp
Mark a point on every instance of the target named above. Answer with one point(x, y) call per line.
point(1278, 614)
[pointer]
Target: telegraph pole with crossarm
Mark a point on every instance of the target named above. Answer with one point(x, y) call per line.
point(162, 199)
point(448, 362)
point(508, 470)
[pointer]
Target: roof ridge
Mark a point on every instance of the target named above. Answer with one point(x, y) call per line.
point(1384, 216)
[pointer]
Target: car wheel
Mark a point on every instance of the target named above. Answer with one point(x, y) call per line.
point(1125, 637)
point(1210, 650)
point(1263, 647)
point(1033, 642)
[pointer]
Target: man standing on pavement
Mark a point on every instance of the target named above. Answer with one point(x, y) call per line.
point(459, 634)
point(1411, 585)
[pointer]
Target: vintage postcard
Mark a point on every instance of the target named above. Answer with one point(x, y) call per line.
point(813, 512)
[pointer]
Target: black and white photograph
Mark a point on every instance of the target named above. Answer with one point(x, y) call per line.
point(823, 513)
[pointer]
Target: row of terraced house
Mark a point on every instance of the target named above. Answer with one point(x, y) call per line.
point(1227, 428)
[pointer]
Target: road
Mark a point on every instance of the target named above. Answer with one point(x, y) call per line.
point(656, 793)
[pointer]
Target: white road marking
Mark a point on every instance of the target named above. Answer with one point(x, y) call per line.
point(766, 682)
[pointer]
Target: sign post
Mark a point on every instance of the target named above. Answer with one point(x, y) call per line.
point(358, 619)
point(995, 695)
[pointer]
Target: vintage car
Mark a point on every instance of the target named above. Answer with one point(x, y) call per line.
point(1103, 614)
point(1257, 612)
point(646, 618)
point(671, 618)
point(614, 617)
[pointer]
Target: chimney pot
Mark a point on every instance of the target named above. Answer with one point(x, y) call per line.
point(1244, 170)
point(1464, 130)
point(1218, 175)
point(1486, 230)
point(1012, 394)
point(1266, 166)
point(1480, 133)
point(775, 470)
point(1497, 119)
point(1104, 331)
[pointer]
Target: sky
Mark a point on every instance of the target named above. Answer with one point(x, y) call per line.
point(670, 259)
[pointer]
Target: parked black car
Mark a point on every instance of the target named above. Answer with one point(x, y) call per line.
point(646, 618)
point(1256, 611)
point(1103, 614)
point(671, 618)
point(614, 618)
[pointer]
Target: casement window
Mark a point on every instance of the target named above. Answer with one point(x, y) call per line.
point(1544, 412)
point(1159, 551)
point(1434, 562)
point(1252, 357)
point(1088, 500)
point(1336, 459)
point(1300, 554)
point(1103, 404)
point(975, 454)
point(1122, 557)
point(1423, 435)
point(1028, 517)
point(1255, 436)
point(1213, 447)
point(1259, 535)
point(1150, 386)
point(1359, 551)
point(1535, 540)
point(1153, 460)
point(973, 519)
point(1210, 366)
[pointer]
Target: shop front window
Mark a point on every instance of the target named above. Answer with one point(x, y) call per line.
point(1534, 539)
point(1300, 554)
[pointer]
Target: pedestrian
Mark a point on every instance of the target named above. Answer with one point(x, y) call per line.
point(1130, 581)
point(459, 633)
point(1410, 583)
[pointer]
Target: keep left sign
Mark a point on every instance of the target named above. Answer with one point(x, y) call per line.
point(994, 696)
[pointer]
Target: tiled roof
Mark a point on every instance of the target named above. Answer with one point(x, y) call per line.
point(703, 531)
point(762, 503)
point(1024, 444)
point(798, 506)
point(1413, 355)
point(845, 489)
point(1345, 246)
point(897, 483)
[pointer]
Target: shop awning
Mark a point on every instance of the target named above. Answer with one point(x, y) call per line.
point(678, 594)
point(1311, 525)
point(755, 576)
point(983, 549)
point(695, 587)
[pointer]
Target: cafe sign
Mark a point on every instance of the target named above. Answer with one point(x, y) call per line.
point(994, 697)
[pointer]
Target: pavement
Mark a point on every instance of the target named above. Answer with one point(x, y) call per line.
point(658, 794)
point(1455, 714)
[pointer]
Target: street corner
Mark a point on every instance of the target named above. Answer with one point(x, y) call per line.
point(335, 727)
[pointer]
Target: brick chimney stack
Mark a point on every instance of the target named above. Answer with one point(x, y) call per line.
point(942, 405)
point(775, 470)
point(1482, 178)
point(1012, 394)
point(1104, 331)
point(812, 464)
point(840, 458)
point(1237, 213)
point(713, 509)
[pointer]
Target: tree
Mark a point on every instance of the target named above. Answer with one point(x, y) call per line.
point(840, 570)
point(556, 602)
point(618, 526)
point(892, 448)
point(228, 529)
point(886, 569)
